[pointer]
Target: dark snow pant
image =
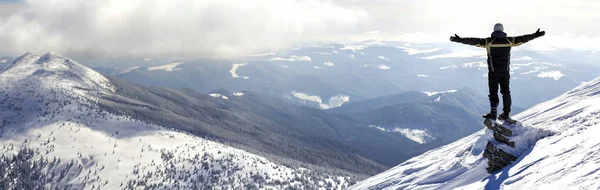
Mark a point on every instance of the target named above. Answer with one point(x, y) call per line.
point(502, 80)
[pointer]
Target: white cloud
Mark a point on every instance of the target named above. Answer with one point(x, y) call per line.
point(225, 28)
point(154, 28)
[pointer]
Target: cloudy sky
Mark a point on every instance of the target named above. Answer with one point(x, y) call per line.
point(226, 28)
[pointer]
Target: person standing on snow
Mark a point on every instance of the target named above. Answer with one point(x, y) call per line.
point(498, 48)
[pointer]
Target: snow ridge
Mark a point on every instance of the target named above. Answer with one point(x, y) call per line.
point(557, 144)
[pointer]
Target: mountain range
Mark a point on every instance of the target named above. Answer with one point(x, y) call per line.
point(78, 128)
point(329, 75)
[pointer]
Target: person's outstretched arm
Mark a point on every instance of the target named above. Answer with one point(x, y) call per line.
point(479, 42)
point(518, 40)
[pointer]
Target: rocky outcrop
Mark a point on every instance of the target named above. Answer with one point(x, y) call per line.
point(497, 157)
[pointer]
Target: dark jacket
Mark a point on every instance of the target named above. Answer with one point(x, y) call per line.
point(498, 49)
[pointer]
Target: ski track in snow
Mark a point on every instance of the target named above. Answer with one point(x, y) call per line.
point(558, 148)
point(52, 109)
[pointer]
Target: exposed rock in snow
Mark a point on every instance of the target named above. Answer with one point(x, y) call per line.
point(168, 67)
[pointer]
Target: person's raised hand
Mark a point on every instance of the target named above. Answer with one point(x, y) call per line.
point(454, 38)
point(540, 33)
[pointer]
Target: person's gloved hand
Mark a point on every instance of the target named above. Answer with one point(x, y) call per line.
point(454, 38)
point(540, 33)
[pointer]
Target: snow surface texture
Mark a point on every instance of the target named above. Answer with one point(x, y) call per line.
point(568, 159)
point(54, 135)
point(168, 67)
point(334, 102)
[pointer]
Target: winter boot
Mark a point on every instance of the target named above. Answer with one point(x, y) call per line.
point(491, 116)
point(505, 117)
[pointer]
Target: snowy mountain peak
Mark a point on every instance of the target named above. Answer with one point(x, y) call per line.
point(54, 69)
point(49, 57)
point(55, 134)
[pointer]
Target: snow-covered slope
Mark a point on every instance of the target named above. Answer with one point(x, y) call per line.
point(568, 159)
point(53, 134)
